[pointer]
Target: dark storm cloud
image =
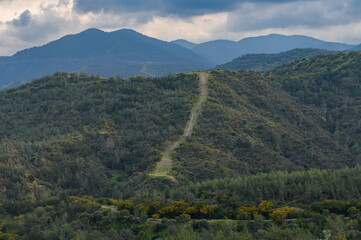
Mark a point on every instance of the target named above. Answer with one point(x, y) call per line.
point(165, 7)
point(23, 20)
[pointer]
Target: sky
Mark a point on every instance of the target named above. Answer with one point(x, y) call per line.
point(28, 23)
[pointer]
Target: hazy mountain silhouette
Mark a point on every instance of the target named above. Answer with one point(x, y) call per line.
point(357, 48)
point(126, 53)
point(185, 43)
point(93, 47)
point(222, 51)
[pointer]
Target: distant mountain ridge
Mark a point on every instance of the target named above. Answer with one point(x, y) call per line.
point(127, 53)
point(263, 62)
point(357, 48)
point(222, 51)
point(93, 47)
point(185, 43)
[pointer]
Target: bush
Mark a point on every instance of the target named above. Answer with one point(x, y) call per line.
point(200, 225)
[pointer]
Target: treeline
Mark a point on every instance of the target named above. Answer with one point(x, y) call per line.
point(295, 188)
point(84, 217)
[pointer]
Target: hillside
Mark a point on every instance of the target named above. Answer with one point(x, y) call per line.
point(250, 123)
point(223, 51)
point(124, 53)
point(330, 85)
point(77, 153)
point(264, 62)
point(88, 135)
point(300, 116)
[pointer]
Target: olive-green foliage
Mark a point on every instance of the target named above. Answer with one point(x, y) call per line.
point(282, 187)
point(329, 89)
point(302, 115)
point(72, 132)
point(249, 126)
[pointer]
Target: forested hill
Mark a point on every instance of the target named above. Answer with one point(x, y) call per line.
point(77, 153)
point(265, 62)
point(120, 53)
point(302, 115)
point(82, 134)
point(88, 135)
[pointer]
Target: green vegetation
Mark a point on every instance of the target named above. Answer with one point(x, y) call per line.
point(265, 62)
point(251, 124)
point(328, 88)
point(164, 167)
point(208, 214)
point(272, 156)
point(295, 188)
point(73, 133)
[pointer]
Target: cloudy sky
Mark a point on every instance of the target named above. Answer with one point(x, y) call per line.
point(27, 23)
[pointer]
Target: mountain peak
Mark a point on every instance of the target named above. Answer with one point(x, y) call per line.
point(92, 30)
point(185, 43)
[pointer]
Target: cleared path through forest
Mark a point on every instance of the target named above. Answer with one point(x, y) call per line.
point(165, 165)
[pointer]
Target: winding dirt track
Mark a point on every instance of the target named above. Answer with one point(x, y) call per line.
point(165, 165)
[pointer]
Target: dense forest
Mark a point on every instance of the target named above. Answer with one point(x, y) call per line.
point(290, 119)
point(272, 156)
point(88, 135)
point(265, 62)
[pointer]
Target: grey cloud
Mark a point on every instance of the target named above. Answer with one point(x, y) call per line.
point(63, 2)
point(316, 14)
point(23, 20)
point(243, 14)
point(37, 27)
point(181, 8)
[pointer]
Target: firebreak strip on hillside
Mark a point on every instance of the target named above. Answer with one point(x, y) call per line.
point(164, 166)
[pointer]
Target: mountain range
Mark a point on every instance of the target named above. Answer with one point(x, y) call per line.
point(127, 53)
point(222, 51)
point(98, 52)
